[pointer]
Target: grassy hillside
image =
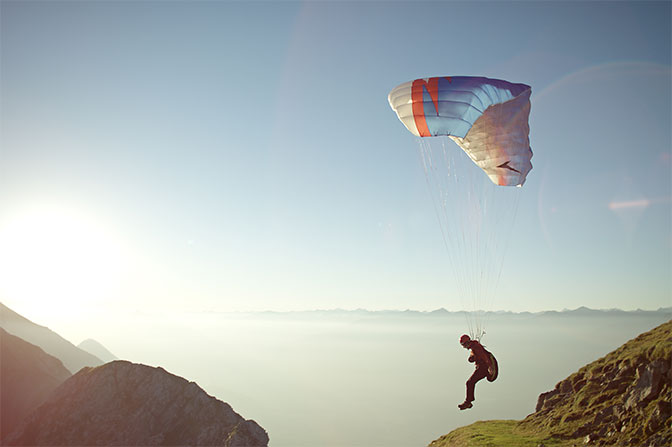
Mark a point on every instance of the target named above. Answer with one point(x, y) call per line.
point(622, 399)
point(497, 433)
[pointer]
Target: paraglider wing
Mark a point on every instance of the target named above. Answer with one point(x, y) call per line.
point(487, 118)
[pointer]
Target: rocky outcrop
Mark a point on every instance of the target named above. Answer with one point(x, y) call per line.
point(625, 398)
point(122, 403)
point(28, 375)
point(72, 357)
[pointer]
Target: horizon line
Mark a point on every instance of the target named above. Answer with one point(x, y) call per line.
point(438, 310)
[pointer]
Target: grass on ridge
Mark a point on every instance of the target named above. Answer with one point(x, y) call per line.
point(495, 434)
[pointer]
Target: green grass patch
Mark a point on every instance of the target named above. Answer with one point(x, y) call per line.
point(495, 434)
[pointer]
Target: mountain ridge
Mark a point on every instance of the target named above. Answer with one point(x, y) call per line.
point(72, 357)
point(124, 403)
point(117, 403)
point(440, 312)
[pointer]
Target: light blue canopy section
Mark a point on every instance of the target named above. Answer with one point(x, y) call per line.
point(461, 100)
point(487, 118)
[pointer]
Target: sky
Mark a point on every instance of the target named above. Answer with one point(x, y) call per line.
point(242, 156)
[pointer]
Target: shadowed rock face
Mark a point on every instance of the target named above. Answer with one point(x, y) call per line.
point(28, 375)
point(121, 403)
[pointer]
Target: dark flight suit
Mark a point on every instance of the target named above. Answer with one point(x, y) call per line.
point(482, 359)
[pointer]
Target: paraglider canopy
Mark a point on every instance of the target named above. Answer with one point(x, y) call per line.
point(487, 118)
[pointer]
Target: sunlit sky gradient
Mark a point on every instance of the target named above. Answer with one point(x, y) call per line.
point(188, 156)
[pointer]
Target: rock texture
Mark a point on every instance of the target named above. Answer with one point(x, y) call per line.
point(624, 398)
point(93, 347)
point(72, 357)
point(28, 375)
point(122, 403)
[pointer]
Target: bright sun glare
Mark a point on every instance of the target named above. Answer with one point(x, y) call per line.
point(55, 260)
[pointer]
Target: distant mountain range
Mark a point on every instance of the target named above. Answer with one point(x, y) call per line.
point(441, 312)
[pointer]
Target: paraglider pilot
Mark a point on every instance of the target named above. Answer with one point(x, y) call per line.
point(479, 356)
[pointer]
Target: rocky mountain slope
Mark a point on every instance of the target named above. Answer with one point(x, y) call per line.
point(95, 348)
point(72, 357)
point(27, 376)
point(622, 399)
point(122, 403)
